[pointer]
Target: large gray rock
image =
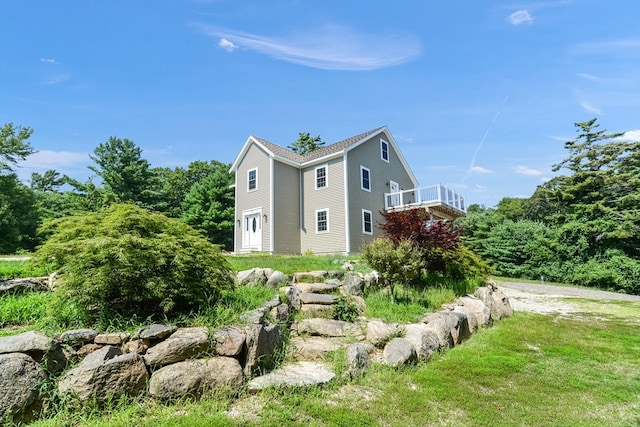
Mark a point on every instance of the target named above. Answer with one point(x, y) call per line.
point(398, 351)
point(255, 276)
point(78, 336)
point(100, 377)
point(298, 374)
point(318, 288)
point(280, 313)
point(228, 341)
point(311, 276)
point(317, 310)
point(156, 332)
point(329, 328)
point(193, 378)
point(314, 347)
point(353, 285)
point(113, 338)
point(472, 321)
point(276, 279)
point(496, 300)
point(310, 298)
point(358, 357)
point(41, 348)
point(262, 341)
point(184, 343)
point(424, 339)
point(440, 326)
point(480, 310)
point(22, 285)
point(292, 293)
point(20, 381)
point(380, 332)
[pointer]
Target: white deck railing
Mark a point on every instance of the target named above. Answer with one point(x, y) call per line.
point(424, 196)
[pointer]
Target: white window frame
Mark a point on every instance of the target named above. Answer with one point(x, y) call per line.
point(326, 176)
point(383, 144)
point(364, 222)
point(326, 211)
point(249, 189)
point(362, 187)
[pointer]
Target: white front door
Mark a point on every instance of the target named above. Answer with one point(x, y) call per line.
point(252, 231)
point(394, 187)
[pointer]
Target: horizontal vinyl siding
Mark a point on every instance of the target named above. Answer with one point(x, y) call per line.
point(367, 154)
point(331, 198)
point(286, 209)
point(255, 157)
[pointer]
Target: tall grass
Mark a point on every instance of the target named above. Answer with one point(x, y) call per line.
point(10, 269)
point(289, 264)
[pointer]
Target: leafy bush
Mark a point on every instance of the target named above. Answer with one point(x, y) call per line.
point(397, 264)
point(345, 309)
point(127, 261)
point(614, 271)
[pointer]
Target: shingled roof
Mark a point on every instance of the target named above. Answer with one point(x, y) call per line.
point(320, 152)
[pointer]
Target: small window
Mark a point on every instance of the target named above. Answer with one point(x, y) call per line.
point(252, 180)
point(321, 177)
point(384, 150)
point(367, 222)
point(322, 221)
point(365, 178)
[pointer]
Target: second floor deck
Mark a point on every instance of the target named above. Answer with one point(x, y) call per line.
point(438, 200)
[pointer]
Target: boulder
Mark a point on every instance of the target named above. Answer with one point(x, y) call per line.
point(309, 298)
point(280, 313)
point(104, 375)
point(261, 344)
point(498, 303)
point(78, 336)
point(255, 276)
point(425, 341)
point(353, 285)
point(317, 310)
point(358, 357)
point(21, 285)
point(292, 294)
point(329, 328)
point(441, 328)
point(276, 279)
point(399, 351)
point(479, 309)
point(41, 348)
point(156, 332)
point(115, 338)
point(298, 374)
point(184, 343)
point(193, 378)
point(472, 321)
point(21, 378)
point(314, 347)
point(228, 341)
point(380, 332)
point(256, 316)
point(372, 279)
point(318, 288)
point(135, 346)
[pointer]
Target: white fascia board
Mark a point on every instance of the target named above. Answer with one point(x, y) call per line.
point(245, 147)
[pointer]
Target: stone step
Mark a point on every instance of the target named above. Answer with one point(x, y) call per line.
point(298, 374)
point(313, 298)
point(315, 347)
point(318, 288)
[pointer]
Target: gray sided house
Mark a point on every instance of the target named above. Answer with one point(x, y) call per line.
point(328, 200)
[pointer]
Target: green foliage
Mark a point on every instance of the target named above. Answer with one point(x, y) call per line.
point(124, 172)
point(612, 270)
point(50, 181)
point(125, 260)
point(18, 215)
point(396, 263)
point(11, 269)
point(289, 264)
point(14, 146)
point(345, 309)
point(209, 206)
point(306, 143)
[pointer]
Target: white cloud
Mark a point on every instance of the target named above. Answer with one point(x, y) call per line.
point(331, 47)
point(520, 17)
point(58, 78)
point(525, 170)
point(227, 45)
point(49, 61)
point(632, 135)
point(479, 169)
point(590, 108)
point(47, 159)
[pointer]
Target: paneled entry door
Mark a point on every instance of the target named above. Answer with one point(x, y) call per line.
point(252, 231)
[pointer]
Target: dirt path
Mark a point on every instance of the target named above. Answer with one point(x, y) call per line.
point(547, 299)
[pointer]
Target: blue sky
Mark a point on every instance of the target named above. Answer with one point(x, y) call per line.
point(480, 95)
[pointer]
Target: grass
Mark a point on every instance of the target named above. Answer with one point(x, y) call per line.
point(289, 264)
point(10, 269)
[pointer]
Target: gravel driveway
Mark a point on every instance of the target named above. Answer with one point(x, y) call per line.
point(547, 299)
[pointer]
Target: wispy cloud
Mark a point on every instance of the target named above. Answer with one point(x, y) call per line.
point(606, 46)
point(479, 188)
point(520, 17)
point(331, 47)
point(589, 108)
point(479, 169)
point(49, 61)
point(525, 170)
point(58, 78)
point(227, 45)
point(47, 159)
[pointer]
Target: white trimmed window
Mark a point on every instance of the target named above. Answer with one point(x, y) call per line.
point(367, 222)
point(321, 177)
point(322, 221)
point(252, 180)
point(365, 178)
point(384, 150)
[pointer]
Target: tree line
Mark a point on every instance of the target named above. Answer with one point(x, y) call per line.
point(582, 227)
point(200, 195)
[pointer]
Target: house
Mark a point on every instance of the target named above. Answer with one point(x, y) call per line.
point(328, 200)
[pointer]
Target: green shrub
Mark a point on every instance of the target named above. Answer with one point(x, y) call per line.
point(126, 261)
point(614, 270)
point(345, 309)
point(396, 264)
